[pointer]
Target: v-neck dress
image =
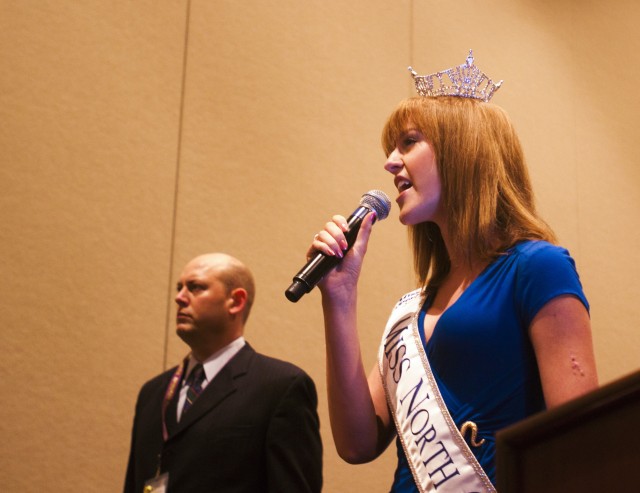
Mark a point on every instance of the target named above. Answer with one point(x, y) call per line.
point(480, 351)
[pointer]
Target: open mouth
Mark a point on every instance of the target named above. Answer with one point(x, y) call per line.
point(402, 184)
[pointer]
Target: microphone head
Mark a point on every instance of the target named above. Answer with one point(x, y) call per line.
point(377, 201)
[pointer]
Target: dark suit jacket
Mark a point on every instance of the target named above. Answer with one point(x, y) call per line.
point(254, 429)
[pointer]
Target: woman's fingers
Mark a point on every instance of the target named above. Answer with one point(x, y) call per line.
point(331, 240)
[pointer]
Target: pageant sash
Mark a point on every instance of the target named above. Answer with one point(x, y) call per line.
point(439, 458)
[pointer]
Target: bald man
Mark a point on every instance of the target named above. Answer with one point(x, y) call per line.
point(227, 419)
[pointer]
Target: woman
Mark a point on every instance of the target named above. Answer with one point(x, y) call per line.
point(499, 328)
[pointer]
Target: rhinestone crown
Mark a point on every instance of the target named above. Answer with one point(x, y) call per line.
point(466, 81)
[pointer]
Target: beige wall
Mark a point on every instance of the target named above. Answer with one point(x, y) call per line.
point(137, 134)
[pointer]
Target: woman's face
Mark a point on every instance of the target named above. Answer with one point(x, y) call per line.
point(416, 177)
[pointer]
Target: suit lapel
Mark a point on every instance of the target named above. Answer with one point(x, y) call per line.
point(223, 385)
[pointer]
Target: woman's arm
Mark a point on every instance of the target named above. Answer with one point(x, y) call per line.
point(561, 336)
point(360, 420)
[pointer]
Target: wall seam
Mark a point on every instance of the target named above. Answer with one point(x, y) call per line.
point(170, 288)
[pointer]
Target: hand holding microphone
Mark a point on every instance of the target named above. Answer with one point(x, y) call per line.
point(318, 266)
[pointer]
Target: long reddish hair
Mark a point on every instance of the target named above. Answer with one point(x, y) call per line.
point(486, 189)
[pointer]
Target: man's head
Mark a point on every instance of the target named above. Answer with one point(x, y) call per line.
point(215, 293)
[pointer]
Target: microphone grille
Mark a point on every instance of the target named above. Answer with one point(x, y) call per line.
point(378, 201)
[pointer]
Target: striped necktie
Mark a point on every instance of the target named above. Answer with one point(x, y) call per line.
point(194, 386)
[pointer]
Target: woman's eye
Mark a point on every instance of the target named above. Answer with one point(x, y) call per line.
point(408, 142)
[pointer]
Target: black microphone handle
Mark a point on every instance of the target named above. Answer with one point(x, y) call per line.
point(313, 272)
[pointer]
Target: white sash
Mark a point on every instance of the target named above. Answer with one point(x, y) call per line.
point(438, 456)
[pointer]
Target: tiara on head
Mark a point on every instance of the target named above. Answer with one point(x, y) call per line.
point(466, 81)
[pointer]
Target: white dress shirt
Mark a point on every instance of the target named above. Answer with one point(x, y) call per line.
point(212, 367)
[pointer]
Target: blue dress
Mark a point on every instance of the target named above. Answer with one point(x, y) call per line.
point(480, 352)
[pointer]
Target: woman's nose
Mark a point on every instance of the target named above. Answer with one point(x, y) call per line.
point(394, 162)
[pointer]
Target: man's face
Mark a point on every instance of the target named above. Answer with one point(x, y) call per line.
point(202, 302)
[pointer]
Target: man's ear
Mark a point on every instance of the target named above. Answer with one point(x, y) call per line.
point(237, 300)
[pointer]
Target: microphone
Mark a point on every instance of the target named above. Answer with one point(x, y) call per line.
point(316, 268)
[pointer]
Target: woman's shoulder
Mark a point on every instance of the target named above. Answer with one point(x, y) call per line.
point(533, 247)
point(543, 271)
point(411, 295)
point(409, 300)
point(540, 251)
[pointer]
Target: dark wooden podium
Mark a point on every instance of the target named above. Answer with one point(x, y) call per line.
point(591, 444)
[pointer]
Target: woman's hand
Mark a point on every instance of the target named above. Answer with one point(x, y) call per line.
point(331, 241)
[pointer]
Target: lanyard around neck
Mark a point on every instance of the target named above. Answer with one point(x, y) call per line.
point(170, 392)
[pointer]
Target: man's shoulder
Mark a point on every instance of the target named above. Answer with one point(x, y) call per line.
point(276, 365)
point(281, 377)
point(265, 367)
point(161, 379)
